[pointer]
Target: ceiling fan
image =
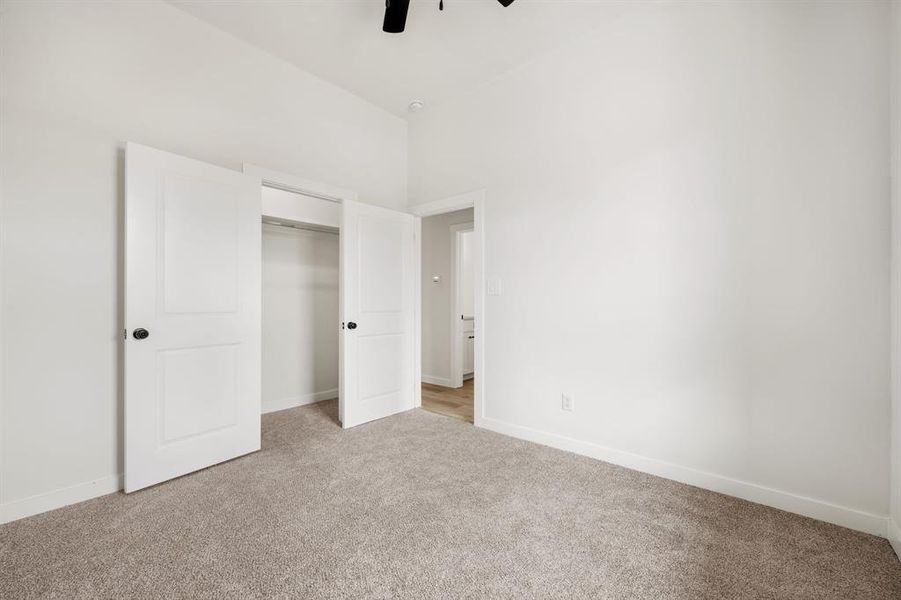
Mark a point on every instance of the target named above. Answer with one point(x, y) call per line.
point(396, 14)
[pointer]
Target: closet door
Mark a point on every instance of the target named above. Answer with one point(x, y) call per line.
point(378, 286)
point(192, 316)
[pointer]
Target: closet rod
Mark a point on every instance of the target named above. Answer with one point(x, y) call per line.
point(303, 226)
point(293, 190)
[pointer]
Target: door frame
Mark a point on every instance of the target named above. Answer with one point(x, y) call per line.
point(321, 191)
point(476, 201)
point(457, 303)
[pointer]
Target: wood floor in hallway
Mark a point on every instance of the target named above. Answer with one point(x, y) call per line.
point(451, 402)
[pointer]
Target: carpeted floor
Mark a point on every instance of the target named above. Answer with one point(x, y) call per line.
point(425, 506)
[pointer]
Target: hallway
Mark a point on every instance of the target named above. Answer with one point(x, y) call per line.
point(450, 402)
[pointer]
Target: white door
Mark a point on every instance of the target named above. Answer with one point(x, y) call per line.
point(192, 383)
point(378, 287)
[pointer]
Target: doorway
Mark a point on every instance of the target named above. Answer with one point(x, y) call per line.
point(377, 291)
point(448, 321)
point(300, 299)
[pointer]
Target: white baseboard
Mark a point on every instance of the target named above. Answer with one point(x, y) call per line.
point(808, 507)
point(442, 381)
point(287, 403)
point(894, 536)
point(26, 507)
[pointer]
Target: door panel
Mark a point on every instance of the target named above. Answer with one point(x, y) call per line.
point(200, 246)
point(381, 262)
point(378, 293)
point(192, 387)
point(198, 390)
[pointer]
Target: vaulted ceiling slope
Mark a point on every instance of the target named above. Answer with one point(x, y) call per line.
point(440, 54)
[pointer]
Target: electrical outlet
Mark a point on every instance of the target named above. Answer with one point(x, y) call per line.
point(566, 403)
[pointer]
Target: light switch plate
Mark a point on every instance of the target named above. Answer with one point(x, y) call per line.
point(494, 286)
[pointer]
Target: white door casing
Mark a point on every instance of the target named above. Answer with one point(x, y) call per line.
point(192, 387)
point(477, 201)
point(462, 302)
point(378, 289)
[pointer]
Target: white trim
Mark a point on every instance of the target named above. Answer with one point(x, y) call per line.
point(293, 183)
point(286, 403)
point(446, 205)
point(456, 327)
point(894, 537)
point(442, 381)
point(809, 507)
point(480, 268)
point(119, 311)
point(417, 314)
point(895, 294)
point(26, 507)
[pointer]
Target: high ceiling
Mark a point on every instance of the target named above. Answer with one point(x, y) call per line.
point(440, 53)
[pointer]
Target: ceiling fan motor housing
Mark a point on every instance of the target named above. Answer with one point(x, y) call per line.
point(396, 14)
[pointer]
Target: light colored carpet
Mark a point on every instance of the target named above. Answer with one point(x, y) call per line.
point(425, 506)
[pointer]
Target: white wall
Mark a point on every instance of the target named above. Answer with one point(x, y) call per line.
point(78, 80)
point(688, 211)
point(895, 524)
point(300, 317)
point(436, 298)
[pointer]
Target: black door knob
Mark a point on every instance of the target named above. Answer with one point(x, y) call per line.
point(351, 325)
point(140, 333)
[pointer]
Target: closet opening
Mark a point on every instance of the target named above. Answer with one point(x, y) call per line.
point(300, 302)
